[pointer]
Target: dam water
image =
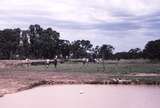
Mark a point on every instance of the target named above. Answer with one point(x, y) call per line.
point(85, 96)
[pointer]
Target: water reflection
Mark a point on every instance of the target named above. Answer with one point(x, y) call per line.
point(85, 96)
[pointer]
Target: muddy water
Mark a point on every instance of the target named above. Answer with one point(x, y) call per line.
point(85, 96)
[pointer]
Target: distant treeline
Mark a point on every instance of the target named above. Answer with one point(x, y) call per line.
point(39, 43)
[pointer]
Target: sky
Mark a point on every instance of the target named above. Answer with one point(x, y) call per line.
point(124, 24)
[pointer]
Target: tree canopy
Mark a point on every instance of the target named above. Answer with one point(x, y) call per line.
point(152, 50)
point(39, 43)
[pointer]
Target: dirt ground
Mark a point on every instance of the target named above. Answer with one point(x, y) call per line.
point(12, 81)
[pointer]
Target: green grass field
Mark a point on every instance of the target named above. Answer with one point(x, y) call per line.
point(114, 68)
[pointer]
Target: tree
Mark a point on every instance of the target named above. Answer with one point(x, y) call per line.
point(34, 33)
point(152, 50)
point(24, 45)
point(96, 52)
point(106, 51)
point(64, 48)
point(9, 42)
point(80, 48)
point(48, 43)
point(121, 55)
point(44, 43)
point(135, 53)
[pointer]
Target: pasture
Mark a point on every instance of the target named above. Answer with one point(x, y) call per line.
point(112, 67)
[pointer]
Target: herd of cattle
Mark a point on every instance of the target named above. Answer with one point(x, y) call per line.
point(55, 61)
point(46, 62)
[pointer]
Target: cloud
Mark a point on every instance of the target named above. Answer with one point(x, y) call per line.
point(123, 23)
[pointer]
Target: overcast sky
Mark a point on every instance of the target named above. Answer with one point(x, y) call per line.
point(125, 24)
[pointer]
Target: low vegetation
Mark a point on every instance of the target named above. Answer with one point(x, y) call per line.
point(110, 67)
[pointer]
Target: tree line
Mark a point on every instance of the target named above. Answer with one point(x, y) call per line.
point(39, 43)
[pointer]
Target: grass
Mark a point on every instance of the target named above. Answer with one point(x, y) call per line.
point(110, 68)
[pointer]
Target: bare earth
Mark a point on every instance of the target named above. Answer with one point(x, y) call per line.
point(11, 82)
